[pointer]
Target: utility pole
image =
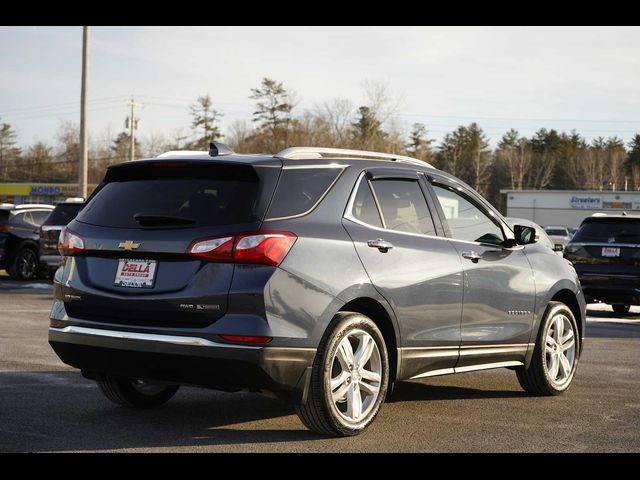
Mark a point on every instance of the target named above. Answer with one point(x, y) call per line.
point(84, 135)
point(132, 123)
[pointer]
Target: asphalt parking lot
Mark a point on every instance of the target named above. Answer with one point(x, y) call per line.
point(46, 406)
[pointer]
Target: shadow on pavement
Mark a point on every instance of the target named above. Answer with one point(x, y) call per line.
point(53, 411)
point(414, 391)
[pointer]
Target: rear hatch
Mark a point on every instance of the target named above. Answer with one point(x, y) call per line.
point(606, 246)
point(56, 221)
point(137, 228)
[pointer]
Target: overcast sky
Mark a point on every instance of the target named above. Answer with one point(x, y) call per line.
point(502, 77)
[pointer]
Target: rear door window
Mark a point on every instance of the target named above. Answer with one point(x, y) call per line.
point(300, 190)
point(403, 206)
point(171, 195)
point(39, 216)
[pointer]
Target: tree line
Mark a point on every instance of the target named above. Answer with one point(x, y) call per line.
point(548, 159)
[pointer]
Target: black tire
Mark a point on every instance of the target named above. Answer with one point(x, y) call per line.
point(319, 413)
point(25, 264)
point(130, 392)
point(536, 379)
point(621, 309)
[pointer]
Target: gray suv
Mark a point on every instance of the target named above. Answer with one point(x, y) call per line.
point(322, 275)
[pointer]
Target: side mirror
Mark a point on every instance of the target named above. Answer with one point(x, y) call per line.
point(558, 247)
point(524, 235)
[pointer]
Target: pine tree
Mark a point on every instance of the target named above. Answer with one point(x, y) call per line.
point(204, 123)
point(366, 129)
point(419, 145)
point(9, 153)
point(274, 105)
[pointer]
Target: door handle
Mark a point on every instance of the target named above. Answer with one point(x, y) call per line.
point(380, 244)
point(473, 256)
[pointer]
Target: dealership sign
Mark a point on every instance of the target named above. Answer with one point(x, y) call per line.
point(590, 203)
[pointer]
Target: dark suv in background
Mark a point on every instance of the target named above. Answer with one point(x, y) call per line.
point(19, 239)
point(322, 279)
point(49, 232)
point(605, 252)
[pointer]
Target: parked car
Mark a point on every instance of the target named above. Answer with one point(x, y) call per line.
point(605, 253)
point(322, 275)
point(19, 238)
point(49, 232)
point(541, 236)
point(558, 235)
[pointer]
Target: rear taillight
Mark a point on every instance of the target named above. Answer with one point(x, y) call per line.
point(40, 232)
point(213, 249)
point(6, 228)
point(264, 248)
point(70, 243)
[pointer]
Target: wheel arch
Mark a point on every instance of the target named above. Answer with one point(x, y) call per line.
point(378, 312)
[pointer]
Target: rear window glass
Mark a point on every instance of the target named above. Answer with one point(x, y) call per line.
point(173, 195)
point(63, 214)
point(300, 189)
point(609, 232)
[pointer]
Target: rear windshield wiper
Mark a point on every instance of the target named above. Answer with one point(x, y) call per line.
point(156, 219)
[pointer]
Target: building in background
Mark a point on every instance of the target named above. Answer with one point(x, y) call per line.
point(51, 193)
point(568, 207)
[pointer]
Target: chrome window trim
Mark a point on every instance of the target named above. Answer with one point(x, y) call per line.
point(299, 167)
point(348, 216)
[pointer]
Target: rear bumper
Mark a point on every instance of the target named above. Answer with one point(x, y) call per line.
point(185, 360)
point(611, 288)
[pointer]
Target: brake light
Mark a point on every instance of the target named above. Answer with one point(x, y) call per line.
point(6, 228)
point(70, 243)
point(40, 232)
point(264, 248)
point(246, 338)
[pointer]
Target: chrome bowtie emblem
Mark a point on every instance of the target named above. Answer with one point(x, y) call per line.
point(128, 245)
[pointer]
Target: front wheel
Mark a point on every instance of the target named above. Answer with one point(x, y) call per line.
point(555, 357)
point(133, 392)
point(349, 378)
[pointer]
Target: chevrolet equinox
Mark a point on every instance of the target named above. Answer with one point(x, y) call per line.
point(322, 275)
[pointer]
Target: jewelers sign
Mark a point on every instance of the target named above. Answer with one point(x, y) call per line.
point(590, 203)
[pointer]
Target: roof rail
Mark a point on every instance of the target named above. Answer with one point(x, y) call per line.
point(316, 152)
point(177, 153)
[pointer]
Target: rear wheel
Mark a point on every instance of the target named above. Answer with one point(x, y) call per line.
point(133, 392)
point(24, 265)
point(349, 377)
point(555, 357)
point(621, 309)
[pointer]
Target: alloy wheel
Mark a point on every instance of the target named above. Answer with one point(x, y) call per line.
point(356, 375)
point(560, 350)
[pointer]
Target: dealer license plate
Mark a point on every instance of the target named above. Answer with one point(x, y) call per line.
point(135, 273)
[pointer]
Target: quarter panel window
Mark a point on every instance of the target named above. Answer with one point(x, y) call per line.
point(300, 189)
point(466, 220)
point(364, 206)
point(403, 206)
